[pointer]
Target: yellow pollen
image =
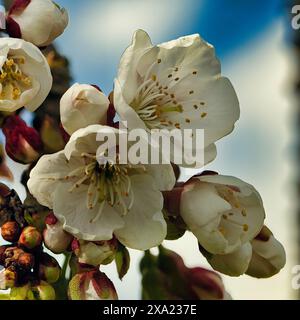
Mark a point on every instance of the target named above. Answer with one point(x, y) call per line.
point(153, 77)
point(13, 81)
point(203, 114)
point(245, 227)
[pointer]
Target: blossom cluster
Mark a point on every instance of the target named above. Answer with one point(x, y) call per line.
point(94, 210)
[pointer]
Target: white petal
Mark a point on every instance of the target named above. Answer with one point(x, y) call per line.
point(77, 219)
point(46, 175)
point(85, 140)
point(127, 69)
point(126, 112)
point(201, 209)
point(163, 176)
point(268, 258)
point(145, 226)
point(81, 106)
point(235, 263)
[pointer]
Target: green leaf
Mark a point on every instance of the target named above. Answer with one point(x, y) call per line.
point(122, 260)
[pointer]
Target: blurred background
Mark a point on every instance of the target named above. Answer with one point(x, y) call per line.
point(256, 45)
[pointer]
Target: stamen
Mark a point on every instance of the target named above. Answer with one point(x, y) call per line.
point(12, 79)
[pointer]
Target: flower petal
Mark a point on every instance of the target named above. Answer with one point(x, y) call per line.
point(145, 226)
point(46, 176)
point(71, 209)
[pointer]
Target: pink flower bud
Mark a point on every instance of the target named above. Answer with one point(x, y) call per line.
point(55, 238)
point(268, 256)
point(36, 21)
point(92, 285)
point(206, 284)
point(23, 144)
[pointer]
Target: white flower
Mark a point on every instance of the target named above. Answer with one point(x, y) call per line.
point(37, 21)
point(81, 106)
point(268, 256)
point(223, 212)
point(177, 84)
point(95, 200)
point(25, 77)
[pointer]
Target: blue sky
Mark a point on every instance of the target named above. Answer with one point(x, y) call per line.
point(249, 37)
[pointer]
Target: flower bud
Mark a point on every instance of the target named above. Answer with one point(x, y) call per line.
point(19, 293)
point(206, 284)
point(49, 269)
point(11, 256)
point(268, 256)
point(92, 285)
point(7, 279)
point(55, 238)
point(95, 253)
point(43, 291)
point(26, 261)
point(30, 238)
point(223, 212)
point(37, 21)
point(10, 231)
point(81, 106)
point(23, 144)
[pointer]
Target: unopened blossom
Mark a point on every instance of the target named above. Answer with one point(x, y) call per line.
point(23, 143)
point(96, 199)
point(268, 256)
point(81, 106)
point(175, 85)
point(95, 253)
point(25, 77)
point(223, 212)
point(37, 21)
point(167, 277)
point(91, 285)
point(55, 238)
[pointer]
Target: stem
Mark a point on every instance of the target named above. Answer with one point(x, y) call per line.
point(61, 286)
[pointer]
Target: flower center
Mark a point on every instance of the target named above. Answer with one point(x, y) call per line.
point(153, 103)
point(13, 82)
point(106, 183)
point(237, 215)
